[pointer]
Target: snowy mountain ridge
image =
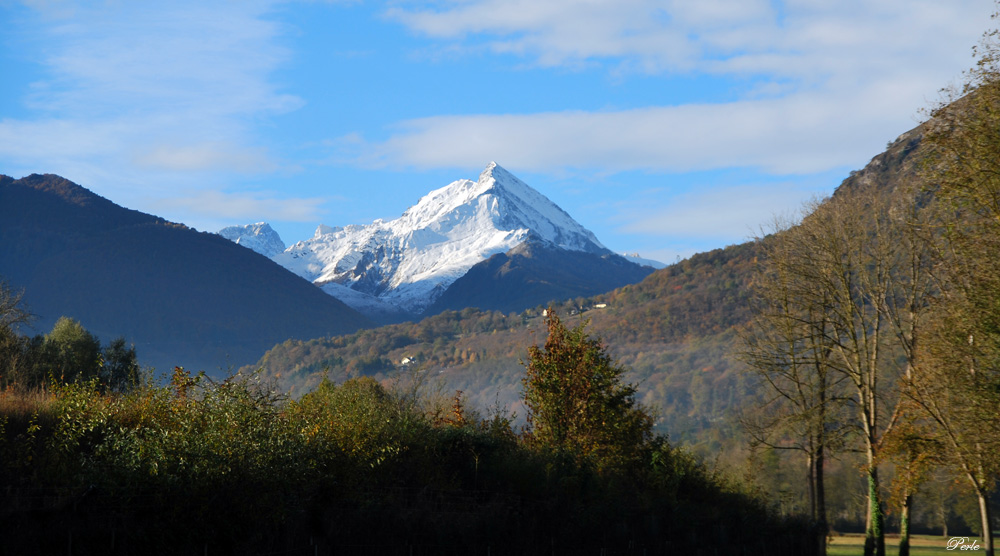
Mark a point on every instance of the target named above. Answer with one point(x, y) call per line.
point(259, 237)
point(406, 263)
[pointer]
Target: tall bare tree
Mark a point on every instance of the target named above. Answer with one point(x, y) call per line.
point(957, 386)
point(838, 270)
point(787, 345)
point(12, 311)
point(907, 220)
point(13, 315)
point(858, 286)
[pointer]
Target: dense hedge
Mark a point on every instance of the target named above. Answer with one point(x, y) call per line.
point(231, 468)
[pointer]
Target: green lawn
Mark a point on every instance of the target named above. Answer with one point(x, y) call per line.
point(920, 545)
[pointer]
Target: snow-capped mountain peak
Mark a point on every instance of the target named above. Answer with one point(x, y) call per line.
point(259, 237)
point(406, 263)
point(498, 201)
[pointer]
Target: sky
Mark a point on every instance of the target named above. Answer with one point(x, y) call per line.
point(666, 127)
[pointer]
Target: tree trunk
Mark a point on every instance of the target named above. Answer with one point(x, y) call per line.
point(811, 462)
point(904, 525)
point(822, 529)
point(874, 533)
point(984, 514)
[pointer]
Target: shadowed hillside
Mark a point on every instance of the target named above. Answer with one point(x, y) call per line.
point(533, 273)
point(183, 297)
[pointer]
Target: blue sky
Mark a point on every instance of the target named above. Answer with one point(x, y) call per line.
point(666, 127)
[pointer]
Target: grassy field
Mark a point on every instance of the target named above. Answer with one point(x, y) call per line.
point(920, 545)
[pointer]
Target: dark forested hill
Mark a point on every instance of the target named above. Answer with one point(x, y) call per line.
point(183, 297)
point(534, 273)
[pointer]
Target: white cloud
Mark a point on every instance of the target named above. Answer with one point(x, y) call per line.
point(728, 213)
point(205, 156)
point(188, 58)
point(243, 207)
point(833, 82)
point(792, 38)
point(139, 85)
point(801, 134)
point(554, 32)
point(60, 138)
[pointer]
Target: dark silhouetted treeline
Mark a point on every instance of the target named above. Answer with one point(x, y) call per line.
point(230, 467)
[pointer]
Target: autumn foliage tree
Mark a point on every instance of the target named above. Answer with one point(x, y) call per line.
point(578, 404)
point(958, 385)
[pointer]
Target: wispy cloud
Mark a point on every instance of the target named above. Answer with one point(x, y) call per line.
point(832, 82)
point(245, 207)
point(652, 34)
point(132, 93)
point(205, 156)
point(800, 134)
point(797, 38)
point(723, 213)
point(188, 59)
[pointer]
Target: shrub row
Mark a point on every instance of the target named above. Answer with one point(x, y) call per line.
point(230, 467)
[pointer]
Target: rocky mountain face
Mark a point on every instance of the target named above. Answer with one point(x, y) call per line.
point(259, 237)
point(182, 297)
point(408, 267)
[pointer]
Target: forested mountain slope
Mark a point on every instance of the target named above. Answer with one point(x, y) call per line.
point(674, 331)
point(534, 273)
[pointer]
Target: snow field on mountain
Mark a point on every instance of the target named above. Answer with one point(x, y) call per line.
point(406, 263)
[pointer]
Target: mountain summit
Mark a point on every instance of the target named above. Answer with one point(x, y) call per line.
point(498, 202)
point(405, 265)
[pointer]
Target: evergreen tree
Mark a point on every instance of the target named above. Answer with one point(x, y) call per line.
point(578, 404)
